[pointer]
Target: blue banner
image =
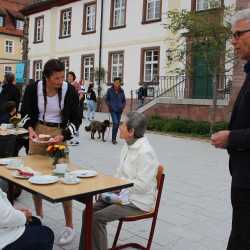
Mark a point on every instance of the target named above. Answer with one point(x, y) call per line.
point(20, 73)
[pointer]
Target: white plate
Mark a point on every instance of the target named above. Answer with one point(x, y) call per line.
point(14, 165)
point(43, 179)
point(16, 175)
point(6, 161)
point(41, 142)
point(84, 173)
point(64, 181)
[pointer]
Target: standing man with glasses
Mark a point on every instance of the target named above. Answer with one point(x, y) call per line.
point(237, 140)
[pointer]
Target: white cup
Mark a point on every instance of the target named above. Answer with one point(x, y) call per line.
point(4, 125)
point(61, 168)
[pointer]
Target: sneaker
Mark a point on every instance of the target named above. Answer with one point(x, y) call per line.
point(71, 143)
point(74, 143)
point(67, 236)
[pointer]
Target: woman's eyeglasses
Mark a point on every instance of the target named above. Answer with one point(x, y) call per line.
point(239, 33)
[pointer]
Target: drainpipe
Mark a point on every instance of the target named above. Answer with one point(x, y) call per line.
point(100, 56)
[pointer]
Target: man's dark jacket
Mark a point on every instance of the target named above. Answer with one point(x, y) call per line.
point(239, 138)
point(116, 101)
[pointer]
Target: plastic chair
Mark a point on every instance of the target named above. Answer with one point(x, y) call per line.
point(160, 181)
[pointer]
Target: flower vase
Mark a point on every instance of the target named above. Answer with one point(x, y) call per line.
point(59, 160)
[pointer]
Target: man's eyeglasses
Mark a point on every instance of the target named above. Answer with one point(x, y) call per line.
point(239, 33)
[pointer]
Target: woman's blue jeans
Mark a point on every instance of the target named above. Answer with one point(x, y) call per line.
point(91, 109)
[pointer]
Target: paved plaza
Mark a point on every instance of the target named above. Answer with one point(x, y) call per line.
point(195, 211)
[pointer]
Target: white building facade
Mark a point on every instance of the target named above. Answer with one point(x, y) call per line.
point(133, 39)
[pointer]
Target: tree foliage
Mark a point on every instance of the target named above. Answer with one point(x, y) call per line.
point(200, 34)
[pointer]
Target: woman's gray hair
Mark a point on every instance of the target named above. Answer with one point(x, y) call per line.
point(138, 122)
point(241, 15)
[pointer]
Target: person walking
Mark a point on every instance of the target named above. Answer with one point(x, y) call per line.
point(116, 101)
point(91, 102)
point(71, 79)
point(142, 93)
point(237, 140)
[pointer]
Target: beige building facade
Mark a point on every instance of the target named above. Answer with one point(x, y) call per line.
point(10, 54)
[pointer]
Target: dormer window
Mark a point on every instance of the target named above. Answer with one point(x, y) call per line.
point(1, 21)
point(19, 24)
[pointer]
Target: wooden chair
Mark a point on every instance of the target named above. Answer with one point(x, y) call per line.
point(160, 180)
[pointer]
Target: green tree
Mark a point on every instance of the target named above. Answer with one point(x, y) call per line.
point(201, 46)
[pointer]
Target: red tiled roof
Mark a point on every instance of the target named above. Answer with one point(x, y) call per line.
point(44, 5)
point(10, 9)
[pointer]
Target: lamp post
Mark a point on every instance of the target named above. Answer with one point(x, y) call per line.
point(100, 59)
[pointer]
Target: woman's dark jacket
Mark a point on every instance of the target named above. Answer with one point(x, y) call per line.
point(9, 93)
point(70, 113)
point(91, 95)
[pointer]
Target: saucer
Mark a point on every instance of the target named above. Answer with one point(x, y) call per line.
point(67, 182)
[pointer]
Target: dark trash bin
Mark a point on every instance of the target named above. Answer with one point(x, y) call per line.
point(7, 149)
point(7, 145)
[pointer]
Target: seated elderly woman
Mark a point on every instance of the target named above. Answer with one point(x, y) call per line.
point(20, 231)
point(138, 164)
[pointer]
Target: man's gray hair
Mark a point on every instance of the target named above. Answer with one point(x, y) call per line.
point(138, 122)
point(241, 15)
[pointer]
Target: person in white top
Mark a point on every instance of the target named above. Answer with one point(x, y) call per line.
point(20, 231)
point(138, 165)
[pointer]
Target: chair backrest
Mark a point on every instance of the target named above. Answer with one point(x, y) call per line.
point(159, 175)
point(160, 181)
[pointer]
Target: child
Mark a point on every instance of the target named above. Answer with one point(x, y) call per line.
point(9, 111)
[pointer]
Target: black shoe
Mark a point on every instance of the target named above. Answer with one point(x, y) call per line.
point(114, 142)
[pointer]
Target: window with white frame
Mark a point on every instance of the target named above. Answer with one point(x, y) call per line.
point(39, 29)
point(65, 61)
point(19, 24)
point(88, 68)
point(153, 10)
point(151, 65)
point(7, 69)
point(116, 65)
point(207, 4)
point(119, 13)
point(9, 46)
point(66, 23)
point(90, 17)
point(1, 21)
point(37, 70)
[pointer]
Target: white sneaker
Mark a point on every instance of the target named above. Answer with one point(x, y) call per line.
point(66, 236)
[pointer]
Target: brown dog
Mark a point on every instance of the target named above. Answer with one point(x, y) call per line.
point(100, 127)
